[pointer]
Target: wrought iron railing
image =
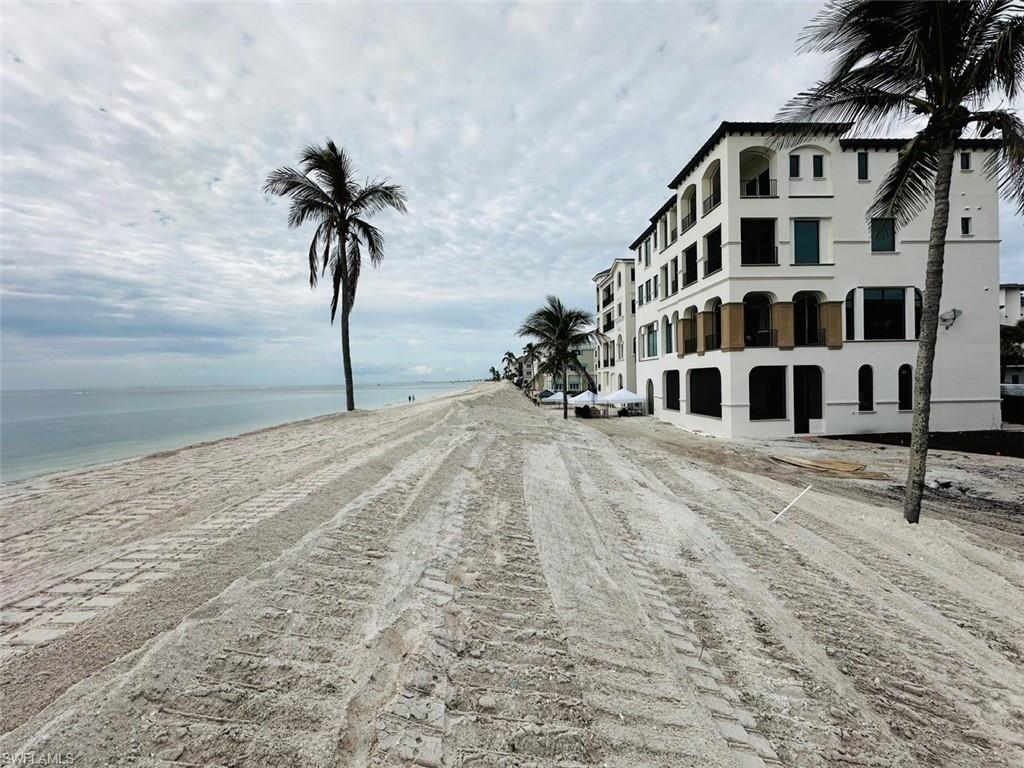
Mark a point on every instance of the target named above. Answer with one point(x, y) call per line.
point(758, 187)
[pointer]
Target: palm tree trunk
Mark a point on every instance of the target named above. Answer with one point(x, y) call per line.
point(565, 392)
point(929, 334)
point(346, 353)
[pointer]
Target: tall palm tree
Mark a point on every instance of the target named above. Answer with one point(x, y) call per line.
point(558, 333)
point(325, 191)
point(942, 63)
point(495, 376)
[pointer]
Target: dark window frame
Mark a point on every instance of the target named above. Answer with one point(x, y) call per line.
point(877, 235)
point(818, 166)
point(865, 389)
point(862, 166)
point(881, 300)
point(794, 166)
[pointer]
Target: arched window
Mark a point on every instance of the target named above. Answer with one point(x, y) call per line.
point(865, 389)
point(906, 387)
point(850, 324)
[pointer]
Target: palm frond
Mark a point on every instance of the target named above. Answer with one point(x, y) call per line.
point(355, 267)
point(309, 200)
point(377, 195)
point(999, 64)
point(1007, 164)
point(322, 234)
point(337, 281)
point(909, 184)
point(331, 166)
point(370, 235)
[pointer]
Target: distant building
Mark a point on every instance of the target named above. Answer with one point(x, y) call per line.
point(767, 305)
point(1010, 300)
point(615, 359)
point(576, 382)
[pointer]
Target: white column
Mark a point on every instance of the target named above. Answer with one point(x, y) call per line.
point(908, 311)
point(858, 314)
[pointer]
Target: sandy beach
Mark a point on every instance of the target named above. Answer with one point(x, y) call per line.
point(470, 581)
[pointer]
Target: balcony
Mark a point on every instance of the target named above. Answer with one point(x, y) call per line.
point(608, 325)
point(712, 201)
point(690, 345)
point(759, 186)
point(607, 299)
point(688, 221)
point(809, 337)
point(758, 253)
point(762, 337)
point(712, 341)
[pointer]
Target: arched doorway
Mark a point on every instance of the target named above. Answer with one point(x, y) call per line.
point(650, 397)
point(620, 381)
point(807, 397)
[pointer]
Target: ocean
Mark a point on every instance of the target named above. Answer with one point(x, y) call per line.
point(44, 431)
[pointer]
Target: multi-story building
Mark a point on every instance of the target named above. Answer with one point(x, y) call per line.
point(768, 305)
point(576, 382)
point(615, 358)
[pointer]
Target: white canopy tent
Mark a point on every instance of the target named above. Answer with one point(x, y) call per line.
point(553, 398)
point(621, 397)
point(584, 398)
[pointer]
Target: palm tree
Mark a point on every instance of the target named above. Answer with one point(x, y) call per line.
point(326, 193)
point(558, 333)
point(941, 63)
point(511, 361)
point(530, 357)
point(495, 376)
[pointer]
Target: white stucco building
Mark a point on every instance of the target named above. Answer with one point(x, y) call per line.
point(615, 359)
point(576, 382)
point(767, 305)
point(1011, 297)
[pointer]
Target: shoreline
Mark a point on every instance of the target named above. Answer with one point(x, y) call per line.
point(103, 463)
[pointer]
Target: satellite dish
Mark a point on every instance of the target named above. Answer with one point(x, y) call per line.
point(949, 317)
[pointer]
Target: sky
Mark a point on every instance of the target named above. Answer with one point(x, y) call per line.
point(137, 247)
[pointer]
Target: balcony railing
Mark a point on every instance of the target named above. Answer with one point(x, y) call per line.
point(608, 325)
point(809, 337)
point(687, 221)
point(674, 234)
point(764, 337)
point(758, 187)
point(689, 345)
point(712, 201)
point(606, 300)
point(758, 253)
point(712, 341)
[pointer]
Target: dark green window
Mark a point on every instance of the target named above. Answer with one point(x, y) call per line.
point(965, 161)
point(794, 166)
point(862, 166)
point(883, 235)
point(818, 165)
point(806, 242)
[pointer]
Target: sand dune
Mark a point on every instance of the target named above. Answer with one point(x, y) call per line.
point(471, 581)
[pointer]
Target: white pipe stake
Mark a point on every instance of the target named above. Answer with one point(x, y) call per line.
point(794, 501)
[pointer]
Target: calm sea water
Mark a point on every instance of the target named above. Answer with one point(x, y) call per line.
point(44, 431)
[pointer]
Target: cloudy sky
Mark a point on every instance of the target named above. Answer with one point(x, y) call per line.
point(533, 142)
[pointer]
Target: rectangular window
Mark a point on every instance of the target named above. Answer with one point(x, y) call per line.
point(632, 274)
point(883, 235)
point(818, 165)
point(618, 280)
point(655, 236)
point(647, 252)
point(690, 261)
point(965, 225)
point(713, 252)
point(654, 288)
point(767, 392)
point(618, 310)
point(862, 166)
point(640, 295)
point(806, 242)
point(652, 340)
point(647, 291)
point(633, 308)
point(794, 166)
point(675, 274)
point(757, 241)
point(965, 161)
point(884, 313)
